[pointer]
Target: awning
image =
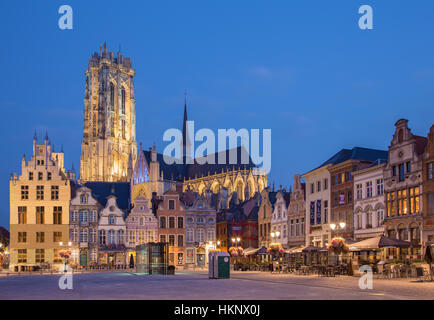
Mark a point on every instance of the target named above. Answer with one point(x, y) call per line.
point(380, 242)
point(250, 251)
point(310, 249)
point(294, 250)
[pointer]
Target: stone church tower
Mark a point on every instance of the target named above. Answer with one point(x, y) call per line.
point(108, 148)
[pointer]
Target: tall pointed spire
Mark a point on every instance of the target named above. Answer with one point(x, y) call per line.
point(35, 137)
point(184, 131)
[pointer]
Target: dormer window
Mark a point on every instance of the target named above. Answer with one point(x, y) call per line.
point(111, 219)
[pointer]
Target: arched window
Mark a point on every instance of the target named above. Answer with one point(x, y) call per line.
point(402, 232)
point(123, 101)
point(112, 94)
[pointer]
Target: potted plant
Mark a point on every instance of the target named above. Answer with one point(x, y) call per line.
point(338, 246)
point(275, 249)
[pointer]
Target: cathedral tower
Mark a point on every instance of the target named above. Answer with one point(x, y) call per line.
point(109, 147)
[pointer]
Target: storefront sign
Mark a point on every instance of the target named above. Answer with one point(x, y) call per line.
point(318, 212)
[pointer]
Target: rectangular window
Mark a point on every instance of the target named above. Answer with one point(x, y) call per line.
point(326, 184)
point(39, 192)
point(318, 186)
point(394, 171)
point(30, 175)
point(163, 223)
point(162, 238)
point(431, 204)
point(40, 176)
point(401, 172)
point(22, 215)
point(48, 175)
point(190, 256)
point(180, 240)
point(359, 190)
point(414, 200)
point(431, 171)
point(22, 237)
point(369, 189)
point(171, 204)
point(312, 188)
point(57, 215)
point(24, 192)
point(190, 235)
point(180, 222)
point(39, 255)
point(22, 255)
point(84, 235)
point(210, 235)
point(171, 222)
point(57, 236)
point(408, 165)
point(380, 187)
point(335, 180)
point(171, 240)
point(40, 237)
point(40, 215)
point(54, 192)
point(200, 235)
point(56, 256)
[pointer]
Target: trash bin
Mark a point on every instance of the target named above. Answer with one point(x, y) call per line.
point(218, 265)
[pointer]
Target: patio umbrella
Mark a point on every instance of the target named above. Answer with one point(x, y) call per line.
point(262, 250)
point(250, 251)
point(380, 242)
point(310, 249)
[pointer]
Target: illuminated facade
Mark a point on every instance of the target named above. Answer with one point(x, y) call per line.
point(403, 185)
point(108, 148)
point(39, 209)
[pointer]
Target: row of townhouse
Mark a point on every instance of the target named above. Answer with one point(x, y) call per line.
point(97, 221)
point(357, 194)
point(361, 193)
point(281, 216)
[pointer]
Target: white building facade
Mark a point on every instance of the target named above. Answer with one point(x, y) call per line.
point(111, 235)
point(318, 194)
point(279, 219)
point(369, 204)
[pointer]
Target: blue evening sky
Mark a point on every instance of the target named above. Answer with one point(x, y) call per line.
point(301, 68)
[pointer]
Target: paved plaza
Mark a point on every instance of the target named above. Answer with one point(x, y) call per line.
point(197, 286)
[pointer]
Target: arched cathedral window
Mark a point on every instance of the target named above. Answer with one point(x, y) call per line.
point(112, 94)
point(123, 101)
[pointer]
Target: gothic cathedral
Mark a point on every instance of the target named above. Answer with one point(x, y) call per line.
point(108, 148)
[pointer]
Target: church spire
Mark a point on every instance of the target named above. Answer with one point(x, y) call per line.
point(184, 131)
